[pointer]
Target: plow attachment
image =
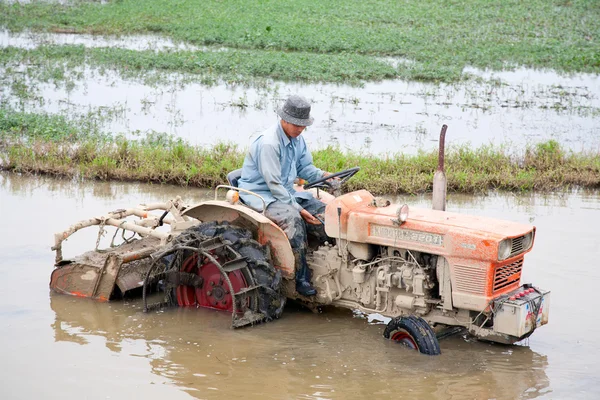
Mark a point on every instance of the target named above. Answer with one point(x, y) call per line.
point(98, 275)
point(212, 265)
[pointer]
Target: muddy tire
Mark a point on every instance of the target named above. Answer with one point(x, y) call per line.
point(271, 300)
point(413, 332)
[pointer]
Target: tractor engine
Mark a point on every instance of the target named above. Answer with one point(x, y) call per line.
point(376, 278)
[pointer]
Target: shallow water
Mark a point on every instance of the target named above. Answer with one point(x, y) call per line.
point(57, 347)
point(514, 107)
point(30, 40)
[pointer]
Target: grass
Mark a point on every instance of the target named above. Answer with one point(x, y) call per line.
point(48, 144)
point(311, 38)
point(232, 66)
point(46, 127)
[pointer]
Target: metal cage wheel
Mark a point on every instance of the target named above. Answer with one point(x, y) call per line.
point(214, 293)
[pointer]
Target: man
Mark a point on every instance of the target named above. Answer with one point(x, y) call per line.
point(276, 158)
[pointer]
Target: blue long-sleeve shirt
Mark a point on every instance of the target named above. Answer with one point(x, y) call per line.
point(272, 164)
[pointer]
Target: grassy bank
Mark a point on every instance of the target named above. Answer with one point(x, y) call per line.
point(48, 144)
point(438, 38)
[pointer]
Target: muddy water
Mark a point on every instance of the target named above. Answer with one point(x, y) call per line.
point(516, 107)
point(57, 347)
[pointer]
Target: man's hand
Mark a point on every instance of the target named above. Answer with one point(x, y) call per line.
point(306, 216)
point(334, 183)
point(326, 174)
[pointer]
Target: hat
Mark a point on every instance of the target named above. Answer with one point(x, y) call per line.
point(296, 110)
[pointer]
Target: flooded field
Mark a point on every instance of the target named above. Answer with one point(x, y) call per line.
point(57, 347)
point(514, 108)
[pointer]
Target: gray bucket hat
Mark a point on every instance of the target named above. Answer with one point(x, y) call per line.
point(296, 110)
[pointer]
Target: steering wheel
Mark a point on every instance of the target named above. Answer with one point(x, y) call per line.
point(343, 175)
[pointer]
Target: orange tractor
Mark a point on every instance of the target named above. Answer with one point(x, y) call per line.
point(429, 271)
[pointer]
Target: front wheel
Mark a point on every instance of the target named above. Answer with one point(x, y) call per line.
point(413, 332)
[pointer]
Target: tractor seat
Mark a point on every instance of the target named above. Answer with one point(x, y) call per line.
point(234, 176)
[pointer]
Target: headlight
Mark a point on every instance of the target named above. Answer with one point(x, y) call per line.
point(504, 249)
point(527, 241)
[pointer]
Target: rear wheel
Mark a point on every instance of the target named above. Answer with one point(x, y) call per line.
point(414, 333)
point(257, 274)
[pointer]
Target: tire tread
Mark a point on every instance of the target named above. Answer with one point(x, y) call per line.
point(418, 329)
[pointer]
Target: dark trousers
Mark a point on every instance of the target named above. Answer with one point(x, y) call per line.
point(290, 221)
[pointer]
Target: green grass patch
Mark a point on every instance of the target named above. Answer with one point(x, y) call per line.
point(233, 66)
point(44, 144)
point(439, 37)
point(47, 127)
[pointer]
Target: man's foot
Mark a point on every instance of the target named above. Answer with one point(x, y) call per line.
point(305, 288)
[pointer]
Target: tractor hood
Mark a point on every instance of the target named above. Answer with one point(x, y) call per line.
point(361, 221)
point(490, 226)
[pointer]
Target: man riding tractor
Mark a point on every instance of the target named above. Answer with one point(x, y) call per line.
point(276, 158)
point(435, 270)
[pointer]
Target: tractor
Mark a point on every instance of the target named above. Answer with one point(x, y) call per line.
point(429, 271)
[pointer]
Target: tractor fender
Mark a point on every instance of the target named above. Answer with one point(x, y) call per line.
point(267, 232)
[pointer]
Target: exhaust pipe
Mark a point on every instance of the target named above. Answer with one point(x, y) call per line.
point(439, 178)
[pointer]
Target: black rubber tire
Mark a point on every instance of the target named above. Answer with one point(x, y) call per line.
point(413, 330)
point(271, 300)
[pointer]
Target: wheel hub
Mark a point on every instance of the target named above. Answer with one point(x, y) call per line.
point(218, 293)
point(215, 292)
point(405, 339)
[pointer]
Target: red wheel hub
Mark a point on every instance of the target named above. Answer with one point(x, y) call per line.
point(405, 339)
point(215, 292)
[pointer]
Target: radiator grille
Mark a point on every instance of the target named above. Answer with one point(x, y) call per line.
point(516, 246)
point(508, 274)
point(470, 280)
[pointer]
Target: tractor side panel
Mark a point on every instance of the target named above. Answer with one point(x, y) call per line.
point(471, 252)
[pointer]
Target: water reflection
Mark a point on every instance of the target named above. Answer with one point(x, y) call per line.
point(26, 185)
point(182, 353)
point(301, 356)
point(31, 40)
point(530, 204)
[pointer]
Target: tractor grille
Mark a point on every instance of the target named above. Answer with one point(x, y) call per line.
point(508, 274)
point(516, 246)
point(469, 279)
